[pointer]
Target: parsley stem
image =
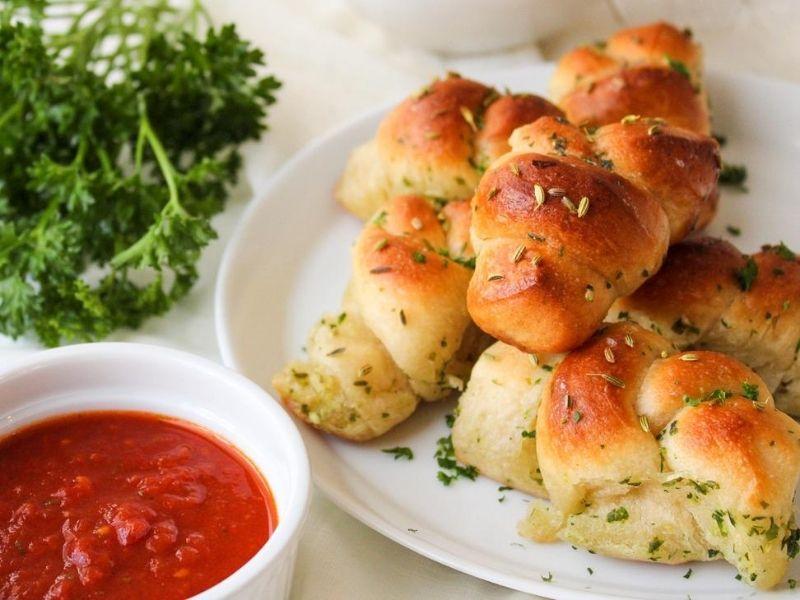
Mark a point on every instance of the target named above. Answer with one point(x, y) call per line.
point(167, 170)
point(10, 113)
point(146, 134)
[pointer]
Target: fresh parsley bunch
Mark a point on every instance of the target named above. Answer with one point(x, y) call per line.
point(119, 138)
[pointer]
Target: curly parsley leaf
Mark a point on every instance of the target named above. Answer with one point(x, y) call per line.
point(746, 276)
point(117, 147)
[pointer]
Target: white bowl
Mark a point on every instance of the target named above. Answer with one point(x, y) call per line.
point(114, 376)
point(471, 26)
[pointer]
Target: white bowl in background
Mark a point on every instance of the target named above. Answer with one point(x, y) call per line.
point(470, 26)
point(121, 376)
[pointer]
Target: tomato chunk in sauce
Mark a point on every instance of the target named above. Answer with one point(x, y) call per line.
point(125, 505)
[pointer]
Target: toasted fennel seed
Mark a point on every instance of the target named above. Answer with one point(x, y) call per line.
point(494, 277)
point(365, 370)
point(538, 193)
point(628, 119)
point(556, 192)
point(468, 117)
point(653, 130)
point(517, 256)
point(534, 359)
point(378, 270)
point(644, 423)
point(335, 351)
point(629, 340)
point(615, 381)
point(493, 192)
point(589, 295)
point(514, 167)
point(432, 135)
point(664, 354)
point(416, 223)
point(536, 259)
point(689, 357)
point(569, 204)
point(381, 245)
point(583, 207)
point(403, 316)
point(609, 353)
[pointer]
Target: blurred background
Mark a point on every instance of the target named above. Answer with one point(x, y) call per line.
point(338, 58)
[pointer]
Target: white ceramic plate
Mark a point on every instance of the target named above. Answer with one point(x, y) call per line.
point(288, 262)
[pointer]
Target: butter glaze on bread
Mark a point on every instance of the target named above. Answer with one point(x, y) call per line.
point(495, 429)
point(645, 452)
point(652, 71)
point(666, 457)
point(436, 143)
point(403, 334)
point(697, 300)
point(549, 263)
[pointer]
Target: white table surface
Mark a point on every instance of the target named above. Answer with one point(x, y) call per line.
point(334, 66)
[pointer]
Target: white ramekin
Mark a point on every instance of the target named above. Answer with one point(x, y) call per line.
point(471, 26)
point(109, 376)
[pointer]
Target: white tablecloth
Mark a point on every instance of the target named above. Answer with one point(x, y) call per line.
point(335, 65)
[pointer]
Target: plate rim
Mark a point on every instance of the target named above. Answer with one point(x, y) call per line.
point(353, 506)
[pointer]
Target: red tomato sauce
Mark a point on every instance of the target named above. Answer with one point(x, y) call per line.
point(125, 505)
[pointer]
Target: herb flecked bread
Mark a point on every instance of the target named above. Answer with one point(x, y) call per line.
point(404, 333)
point(436, 143)
point(568, 221)
point(646, 453)
point(709, 295)
point(652, 71)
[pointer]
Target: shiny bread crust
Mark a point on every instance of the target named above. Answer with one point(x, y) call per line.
point(403, 334)
point(698, 299)
point(653, 71)
point(436, 143)
point(569, 221)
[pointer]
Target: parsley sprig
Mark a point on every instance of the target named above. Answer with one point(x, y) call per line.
point(449, 468)
point(119, 136)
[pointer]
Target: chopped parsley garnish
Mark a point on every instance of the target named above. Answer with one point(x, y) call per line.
point(654, 545)
point(529, 434)
point(733, 230)
point(750, 391)
point(792, 542)
point(717, 396)
point(687, 574)
point(678, 66)
point(784, 252)
point(747, 274)
point(400, 452)
point(450, 469)
point(733, 175)
point(548, 578)
point(618, 514)
point(719, 517)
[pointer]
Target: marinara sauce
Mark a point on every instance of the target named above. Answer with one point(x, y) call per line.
point(125, 505)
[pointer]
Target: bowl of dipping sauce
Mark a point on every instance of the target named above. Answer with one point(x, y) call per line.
point(134, 471)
